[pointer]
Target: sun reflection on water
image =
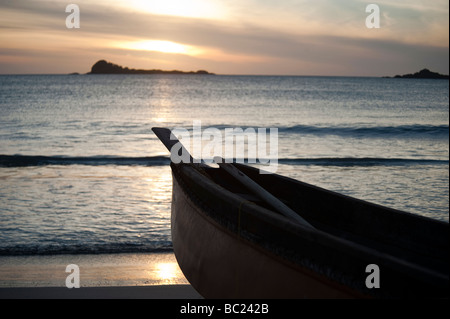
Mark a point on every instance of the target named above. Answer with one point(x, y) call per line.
point(167, 272)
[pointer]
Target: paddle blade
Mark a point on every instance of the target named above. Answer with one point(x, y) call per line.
point(178, 153)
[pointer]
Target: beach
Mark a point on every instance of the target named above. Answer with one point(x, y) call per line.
point(102, 276)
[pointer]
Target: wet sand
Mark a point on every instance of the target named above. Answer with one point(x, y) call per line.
point(106, 276)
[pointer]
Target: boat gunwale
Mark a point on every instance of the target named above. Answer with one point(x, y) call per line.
point(401, 236)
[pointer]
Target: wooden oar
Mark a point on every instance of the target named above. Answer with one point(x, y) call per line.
point(169, 140)
point(261, 192)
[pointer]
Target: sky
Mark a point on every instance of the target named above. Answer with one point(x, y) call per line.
point(257, 37)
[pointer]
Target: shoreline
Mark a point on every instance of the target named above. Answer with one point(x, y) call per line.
point(102, 276)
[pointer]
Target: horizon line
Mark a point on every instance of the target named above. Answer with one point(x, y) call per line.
point(215, 74)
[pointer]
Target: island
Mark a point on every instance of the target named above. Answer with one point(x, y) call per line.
point(104, 67)
point(423, 74)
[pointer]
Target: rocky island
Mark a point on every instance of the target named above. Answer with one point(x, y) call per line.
point(104, 67)
point(423, 74)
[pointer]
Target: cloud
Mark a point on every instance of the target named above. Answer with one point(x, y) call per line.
point(323, 37)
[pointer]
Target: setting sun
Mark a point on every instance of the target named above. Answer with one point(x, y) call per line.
point(159, 46)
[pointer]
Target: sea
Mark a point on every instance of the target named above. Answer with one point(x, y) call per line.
point(81, 171)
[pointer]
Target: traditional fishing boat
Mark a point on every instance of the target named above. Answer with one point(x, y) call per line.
point(233, 237)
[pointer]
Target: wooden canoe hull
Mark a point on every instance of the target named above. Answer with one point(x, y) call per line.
point(233, 276)
point(237, 259)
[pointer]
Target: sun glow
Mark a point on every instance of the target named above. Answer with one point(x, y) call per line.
point(159, 46)
point(193, 8)
point(167, 271)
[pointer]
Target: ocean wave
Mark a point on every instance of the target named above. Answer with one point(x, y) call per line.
point(361, 131)
point(365, 161)
point(91, 248)
point(437, 131)
point(24, 160)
